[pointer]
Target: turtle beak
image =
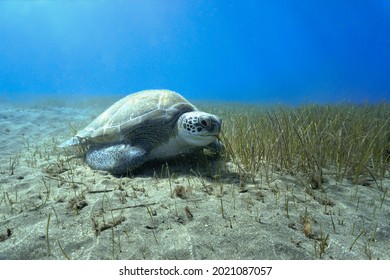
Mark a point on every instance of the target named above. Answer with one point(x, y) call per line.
point(214, 126)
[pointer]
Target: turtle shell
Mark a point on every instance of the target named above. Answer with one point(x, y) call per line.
point(133, 112)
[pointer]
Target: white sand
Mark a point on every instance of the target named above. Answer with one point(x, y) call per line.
point(94, 215)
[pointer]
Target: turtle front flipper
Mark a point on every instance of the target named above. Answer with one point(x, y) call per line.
point(216, 147)
point(115, 158)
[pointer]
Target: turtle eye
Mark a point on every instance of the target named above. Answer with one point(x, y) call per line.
point(204, 122)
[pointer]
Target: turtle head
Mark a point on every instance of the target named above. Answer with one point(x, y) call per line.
point(199, 128)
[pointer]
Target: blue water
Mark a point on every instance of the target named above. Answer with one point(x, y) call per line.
point(262, 51)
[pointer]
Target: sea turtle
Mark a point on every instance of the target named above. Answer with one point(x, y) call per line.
point(147, 125)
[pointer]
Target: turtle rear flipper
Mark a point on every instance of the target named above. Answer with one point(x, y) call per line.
point(70, 142)
point(117, 159)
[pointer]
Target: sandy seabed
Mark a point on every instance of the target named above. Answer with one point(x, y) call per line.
point(53, 206)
